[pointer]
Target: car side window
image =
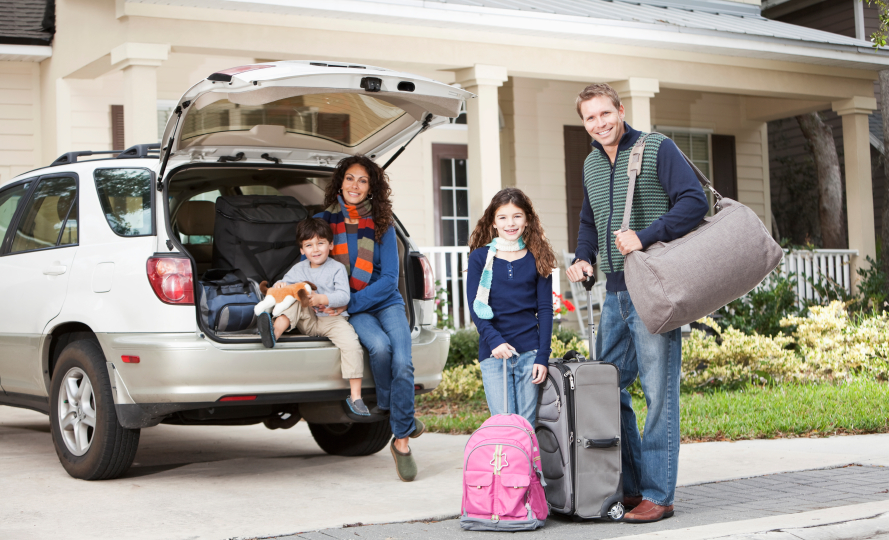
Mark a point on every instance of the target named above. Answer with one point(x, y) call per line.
point(125, 195)
point(44, 220)
point(10, 198)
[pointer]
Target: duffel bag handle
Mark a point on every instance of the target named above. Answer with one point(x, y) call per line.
point(599, 443)
point(634, 169)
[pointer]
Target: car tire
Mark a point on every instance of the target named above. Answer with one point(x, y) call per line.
point(81, 395)
point(352, 439)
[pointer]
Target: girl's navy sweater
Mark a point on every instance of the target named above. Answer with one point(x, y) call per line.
point(522, 302)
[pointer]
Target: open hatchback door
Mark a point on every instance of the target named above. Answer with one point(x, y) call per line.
point(304, 112)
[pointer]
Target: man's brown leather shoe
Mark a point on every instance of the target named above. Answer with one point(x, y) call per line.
point(632, 502)
point(648, 512)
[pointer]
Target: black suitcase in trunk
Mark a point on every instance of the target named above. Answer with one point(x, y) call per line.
point(257, 234)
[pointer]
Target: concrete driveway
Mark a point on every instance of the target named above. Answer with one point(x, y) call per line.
point(215, 483)
point(246, 482)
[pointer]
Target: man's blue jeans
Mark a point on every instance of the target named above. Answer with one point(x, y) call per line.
point(521, 391)
point(387, 337)
point(650, 463)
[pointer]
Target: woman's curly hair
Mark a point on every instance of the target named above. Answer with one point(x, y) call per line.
point(379, 191)
point(534, 237)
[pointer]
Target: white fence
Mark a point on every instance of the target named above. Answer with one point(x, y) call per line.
point(822, 266)
point(449, 264)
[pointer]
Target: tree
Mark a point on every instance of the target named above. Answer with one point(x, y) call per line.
point(830, 187)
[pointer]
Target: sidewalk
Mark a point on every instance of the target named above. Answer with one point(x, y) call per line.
point(214, 483)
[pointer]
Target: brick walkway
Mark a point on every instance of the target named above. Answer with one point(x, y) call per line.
point(703, 504)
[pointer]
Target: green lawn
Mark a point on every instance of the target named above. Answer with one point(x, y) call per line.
point(860, 406)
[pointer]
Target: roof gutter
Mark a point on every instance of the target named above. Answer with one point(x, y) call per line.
point(25, 53)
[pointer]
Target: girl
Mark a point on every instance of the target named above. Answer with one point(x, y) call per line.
point(510, 289)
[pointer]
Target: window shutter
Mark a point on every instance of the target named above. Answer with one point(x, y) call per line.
point(117, 140)
point(725, 170)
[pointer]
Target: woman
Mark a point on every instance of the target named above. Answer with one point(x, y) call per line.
point(360, 214)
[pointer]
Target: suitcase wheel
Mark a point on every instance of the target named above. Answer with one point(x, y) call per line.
point(615, 512)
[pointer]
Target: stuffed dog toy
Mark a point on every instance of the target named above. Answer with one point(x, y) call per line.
point(277, 300)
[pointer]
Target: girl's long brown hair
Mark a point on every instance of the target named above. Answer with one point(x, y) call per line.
point(379, 191)
point(534, 237)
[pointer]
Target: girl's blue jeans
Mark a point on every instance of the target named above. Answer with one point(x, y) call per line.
point(650, 463)
point(521, 392)
point(387, 337)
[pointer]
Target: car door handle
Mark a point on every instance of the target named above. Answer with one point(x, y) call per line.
point(55, 270)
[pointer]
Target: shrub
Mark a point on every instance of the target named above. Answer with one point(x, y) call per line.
point(464, 348)
point(560, 348)
point(737, 358)
point(460, 383)
point(762, 309)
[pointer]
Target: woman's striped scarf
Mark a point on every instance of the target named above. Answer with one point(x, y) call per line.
point(336, 215)
point(481, 306)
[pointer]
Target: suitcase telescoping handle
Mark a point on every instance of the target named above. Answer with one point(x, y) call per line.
point(588, 284)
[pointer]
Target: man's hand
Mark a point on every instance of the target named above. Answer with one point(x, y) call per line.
point(333, 311)
point(627, 242)
point(503, 351)
point(538, 374)
point(579, 271)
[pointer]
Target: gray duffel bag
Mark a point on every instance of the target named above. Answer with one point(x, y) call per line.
point(720, 260)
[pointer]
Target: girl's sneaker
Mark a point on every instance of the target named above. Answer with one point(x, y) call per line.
point(357, 407)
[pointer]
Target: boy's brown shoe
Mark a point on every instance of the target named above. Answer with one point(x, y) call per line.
point(648, 512)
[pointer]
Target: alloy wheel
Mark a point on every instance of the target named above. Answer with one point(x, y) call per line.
point(77, 411)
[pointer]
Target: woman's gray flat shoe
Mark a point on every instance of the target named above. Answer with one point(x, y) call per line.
point(405, 466)
point(419, 428)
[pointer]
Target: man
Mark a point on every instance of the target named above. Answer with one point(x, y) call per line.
point(668, 202)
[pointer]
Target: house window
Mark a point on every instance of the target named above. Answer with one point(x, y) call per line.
point(695, 145)
point(451, 194)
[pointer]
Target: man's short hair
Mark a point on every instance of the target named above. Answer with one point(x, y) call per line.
point(310, 228)
point(596, 90)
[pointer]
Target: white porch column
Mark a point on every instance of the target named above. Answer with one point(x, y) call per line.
point(635, 94)
point(483, 123)
point(859, 194)
point(139, 62)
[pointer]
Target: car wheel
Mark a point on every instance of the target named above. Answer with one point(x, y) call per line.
point(352, 439)
point(90, 442)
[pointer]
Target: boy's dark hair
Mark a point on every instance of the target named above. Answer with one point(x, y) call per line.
point(310, 228)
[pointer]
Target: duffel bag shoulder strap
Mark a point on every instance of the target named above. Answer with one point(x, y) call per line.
point(634, 169)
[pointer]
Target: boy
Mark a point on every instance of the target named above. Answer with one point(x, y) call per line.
point(314, 238)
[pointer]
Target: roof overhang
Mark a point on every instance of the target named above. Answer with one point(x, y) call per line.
point(712, 26)
point(25, 53)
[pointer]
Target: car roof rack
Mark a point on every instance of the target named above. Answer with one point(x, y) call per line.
point(133, 152)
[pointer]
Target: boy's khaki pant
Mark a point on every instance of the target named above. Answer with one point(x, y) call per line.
point(337, 329)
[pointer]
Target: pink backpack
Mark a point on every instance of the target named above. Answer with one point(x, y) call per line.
point(502, 488)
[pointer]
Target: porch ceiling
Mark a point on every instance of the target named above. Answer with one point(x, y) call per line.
point(718, 27)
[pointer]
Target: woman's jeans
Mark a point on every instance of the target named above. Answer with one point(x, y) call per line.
point(386, 335)
point(522, 393)
point(650, 463)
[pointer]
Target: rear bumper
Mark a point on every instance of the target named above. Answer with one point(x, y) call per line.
point(178, 372)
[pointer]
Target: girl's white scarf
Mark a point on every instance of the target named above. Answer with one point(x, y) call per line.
point(480, 306)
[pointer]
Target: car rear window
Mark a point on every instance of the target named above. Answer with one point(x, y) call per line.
point(348, 119)
point(125, 195)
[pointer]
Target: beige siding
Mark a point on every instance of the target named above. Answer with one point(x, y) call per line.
point(19, 118)
point(91, 101)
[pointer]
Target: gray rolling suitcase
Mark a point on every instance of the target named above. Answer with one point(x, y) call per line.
point(578, 430)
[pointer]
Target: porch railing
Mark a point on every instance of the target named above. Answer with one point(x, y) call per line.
point(822, 266)
point(449, 264)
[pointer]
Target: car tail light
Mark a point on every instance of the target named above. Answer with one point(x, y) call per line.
point(129, 359)
point(171, 278)
point(428, 279)
point(238, 398)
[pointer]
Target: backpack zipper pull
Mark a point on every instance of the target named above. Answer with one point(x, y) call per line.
point(559, 405)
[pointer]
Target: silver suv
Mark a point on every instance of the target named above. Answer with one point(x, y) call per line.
point(101, 259)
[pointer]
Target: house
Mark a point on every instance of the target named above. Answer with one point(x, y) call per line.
point(709, 73)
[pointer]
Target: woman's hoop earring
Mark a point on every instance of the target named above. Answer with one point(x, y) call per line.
point(340, 191)
point(370, 196)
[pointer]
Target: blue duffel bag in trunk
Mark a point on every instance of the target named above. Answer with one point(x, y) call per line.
point(227, 300)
